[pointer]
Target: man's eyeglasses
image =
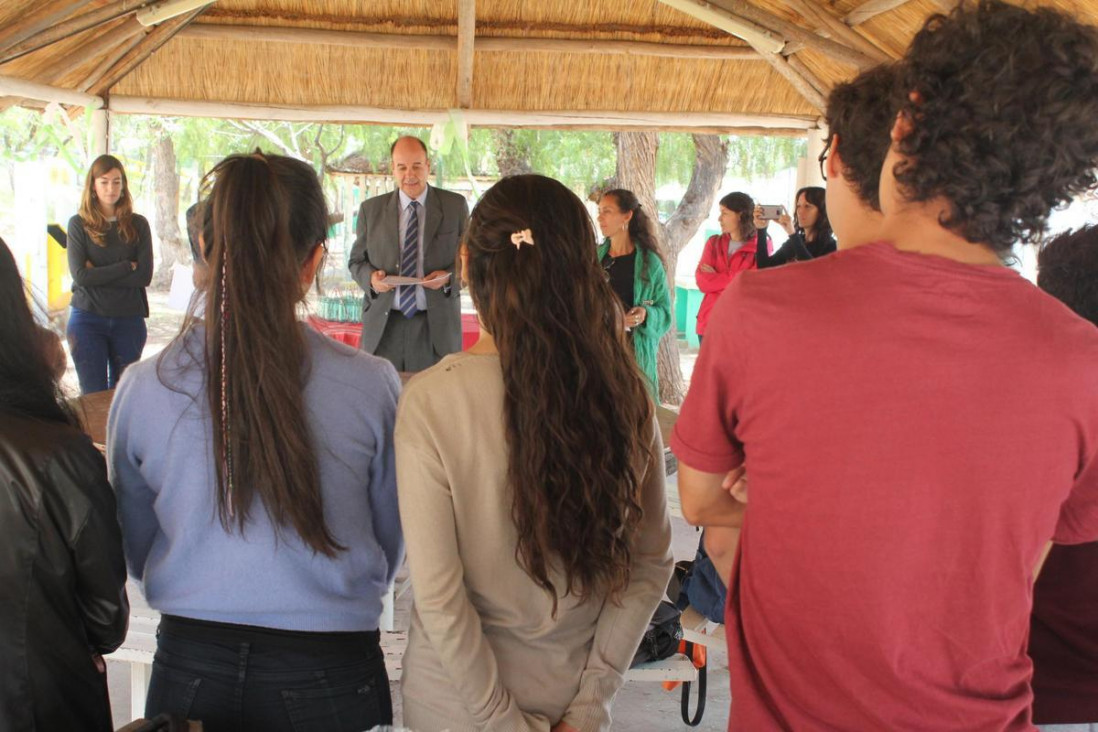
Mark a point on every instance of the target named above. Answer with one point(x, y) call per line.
point(823, 158)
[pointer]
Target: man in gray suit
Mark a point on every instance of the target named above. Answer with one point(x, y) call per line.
point(412, 232)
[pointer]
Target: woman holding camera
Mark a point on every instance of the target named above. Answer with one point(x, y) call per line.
point(809, 230)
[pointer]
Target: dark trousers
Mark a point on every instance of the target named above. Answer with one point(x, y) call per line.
point(102, 347)
point(237, 677)
point(406, 342)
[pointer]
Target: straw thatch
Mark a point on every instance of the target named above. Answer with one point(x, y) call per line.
point(369, 73)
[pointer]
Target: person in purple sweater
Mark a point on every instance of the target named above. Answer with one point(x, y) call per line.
point(254, 467)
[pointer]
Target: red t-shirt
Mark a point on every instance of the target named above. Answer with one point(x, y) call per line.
point(915, 431)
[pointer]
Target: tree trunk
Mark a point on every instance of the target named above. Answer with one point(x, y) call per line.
point(511, 159)
point(636, 171)
point(166, 210)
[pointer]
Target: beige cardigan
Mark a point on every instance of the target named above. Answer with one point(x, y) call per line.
point(484, 652)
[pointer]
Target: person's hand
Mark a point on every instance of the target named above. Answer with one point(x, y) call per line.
point(100, 664)
point(438, 275)
point(376, 283)
point(786, 222)
point(760, 222)
point(707, 268)
point(133, 266)
point(635, 317)
point(736, 483)
point(563, 727)
point(88, 264)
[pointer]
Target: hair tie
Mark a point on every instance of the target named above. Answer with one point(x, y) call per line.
point(522, 237)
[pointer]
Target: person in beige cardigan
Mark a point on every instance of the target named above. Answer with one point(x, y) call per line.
point(531, 486)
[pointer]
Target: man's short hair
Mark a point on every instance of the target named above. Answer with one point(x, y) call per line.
point(409, 137)
point(861, 113)
point(1067, 269)
point(199, 223)
point(1003, 104)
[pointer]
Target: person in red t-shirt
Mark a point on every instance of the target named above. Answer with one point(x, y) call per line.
point(727, 255)
point(885, 570)
point(1063, 641)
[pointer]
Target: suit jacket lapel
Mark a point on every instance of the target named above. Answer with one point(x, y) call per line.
point(434, 217)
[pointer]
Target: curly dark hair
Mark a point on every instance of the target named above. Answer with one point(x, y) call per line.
point(1067, 269)
point(861, 112)
point(576, 409)
point(1003, 103)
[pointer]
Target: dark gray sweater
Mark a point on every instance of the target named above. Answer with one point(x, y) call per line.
point(110, 286)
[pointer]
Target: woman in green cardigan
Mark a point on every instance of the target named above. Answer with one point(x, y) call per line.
point(635, 268)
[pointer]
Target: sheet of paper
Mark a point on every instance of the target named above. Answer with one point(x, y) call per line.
point(398, 280)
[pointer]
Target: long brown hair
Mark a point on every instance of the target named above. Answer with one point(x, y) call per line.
point(578, 418)
point(642, 230)
point(268, 217)
point(95, 223)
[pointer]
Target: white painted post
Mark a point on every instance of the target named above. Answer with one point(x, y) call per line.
point(808, 171)
point(139, 689)
point(100, 138)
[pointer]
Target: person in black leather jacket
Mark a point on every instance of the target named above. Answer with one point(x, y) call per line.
point(61, 565)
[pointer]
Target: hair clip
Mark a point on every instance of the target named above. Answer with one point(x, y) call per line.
point(522, 237)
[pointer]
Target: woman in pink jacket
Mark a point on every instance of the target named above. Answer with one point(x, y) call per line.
point(727, 255)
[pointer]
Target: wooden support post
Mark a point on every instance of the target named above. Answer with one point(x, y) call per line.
point(467, 22)
point(152, 42)
point(100, 133)
point(79, 24)
point(808, 172)
point(48, 14)
point(870, 9)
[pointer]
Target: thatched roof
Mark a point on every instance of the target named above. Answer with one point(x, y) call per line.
point(584, 63)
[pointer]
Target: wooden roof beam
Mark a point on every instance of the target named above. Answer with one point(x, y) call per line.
point(23, 89)
point(467, 23)
point(152, 42)
point(563, 119)
point(355, 39)
point(48, 14)
point(68, 28)
point(829, 25)
point(796, 34)
point(97, 47)
point(871, 9)
point(761, 39)
point(108, 63)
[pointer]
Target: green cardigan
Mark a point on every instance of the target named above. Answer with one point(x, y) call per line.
point(650, 292)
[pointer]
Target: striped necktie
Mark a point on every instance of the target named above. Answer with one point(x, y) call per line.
point(409, 258)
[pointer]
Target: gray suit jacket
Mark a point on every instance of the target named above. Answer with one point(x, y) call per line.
point(377, 246)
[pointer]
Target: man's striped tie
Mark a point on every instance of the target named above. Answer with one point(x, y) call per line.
point(409, 256)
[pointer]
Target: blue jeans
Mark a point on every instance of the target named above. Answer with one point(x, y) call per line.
point(102, 347)
point(238, 677)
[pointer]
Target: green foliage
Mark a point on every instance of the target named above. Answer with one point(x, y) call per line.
point(762, 157)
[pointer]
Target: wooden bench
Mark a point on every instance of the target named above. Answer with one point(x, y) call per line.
point(138, 650)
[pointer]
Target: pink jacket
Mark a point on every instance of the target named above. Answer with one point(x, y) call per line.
point(727, 267)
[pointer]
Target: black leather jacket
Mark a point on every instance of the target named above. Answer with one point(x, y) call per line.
point(62, 575)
